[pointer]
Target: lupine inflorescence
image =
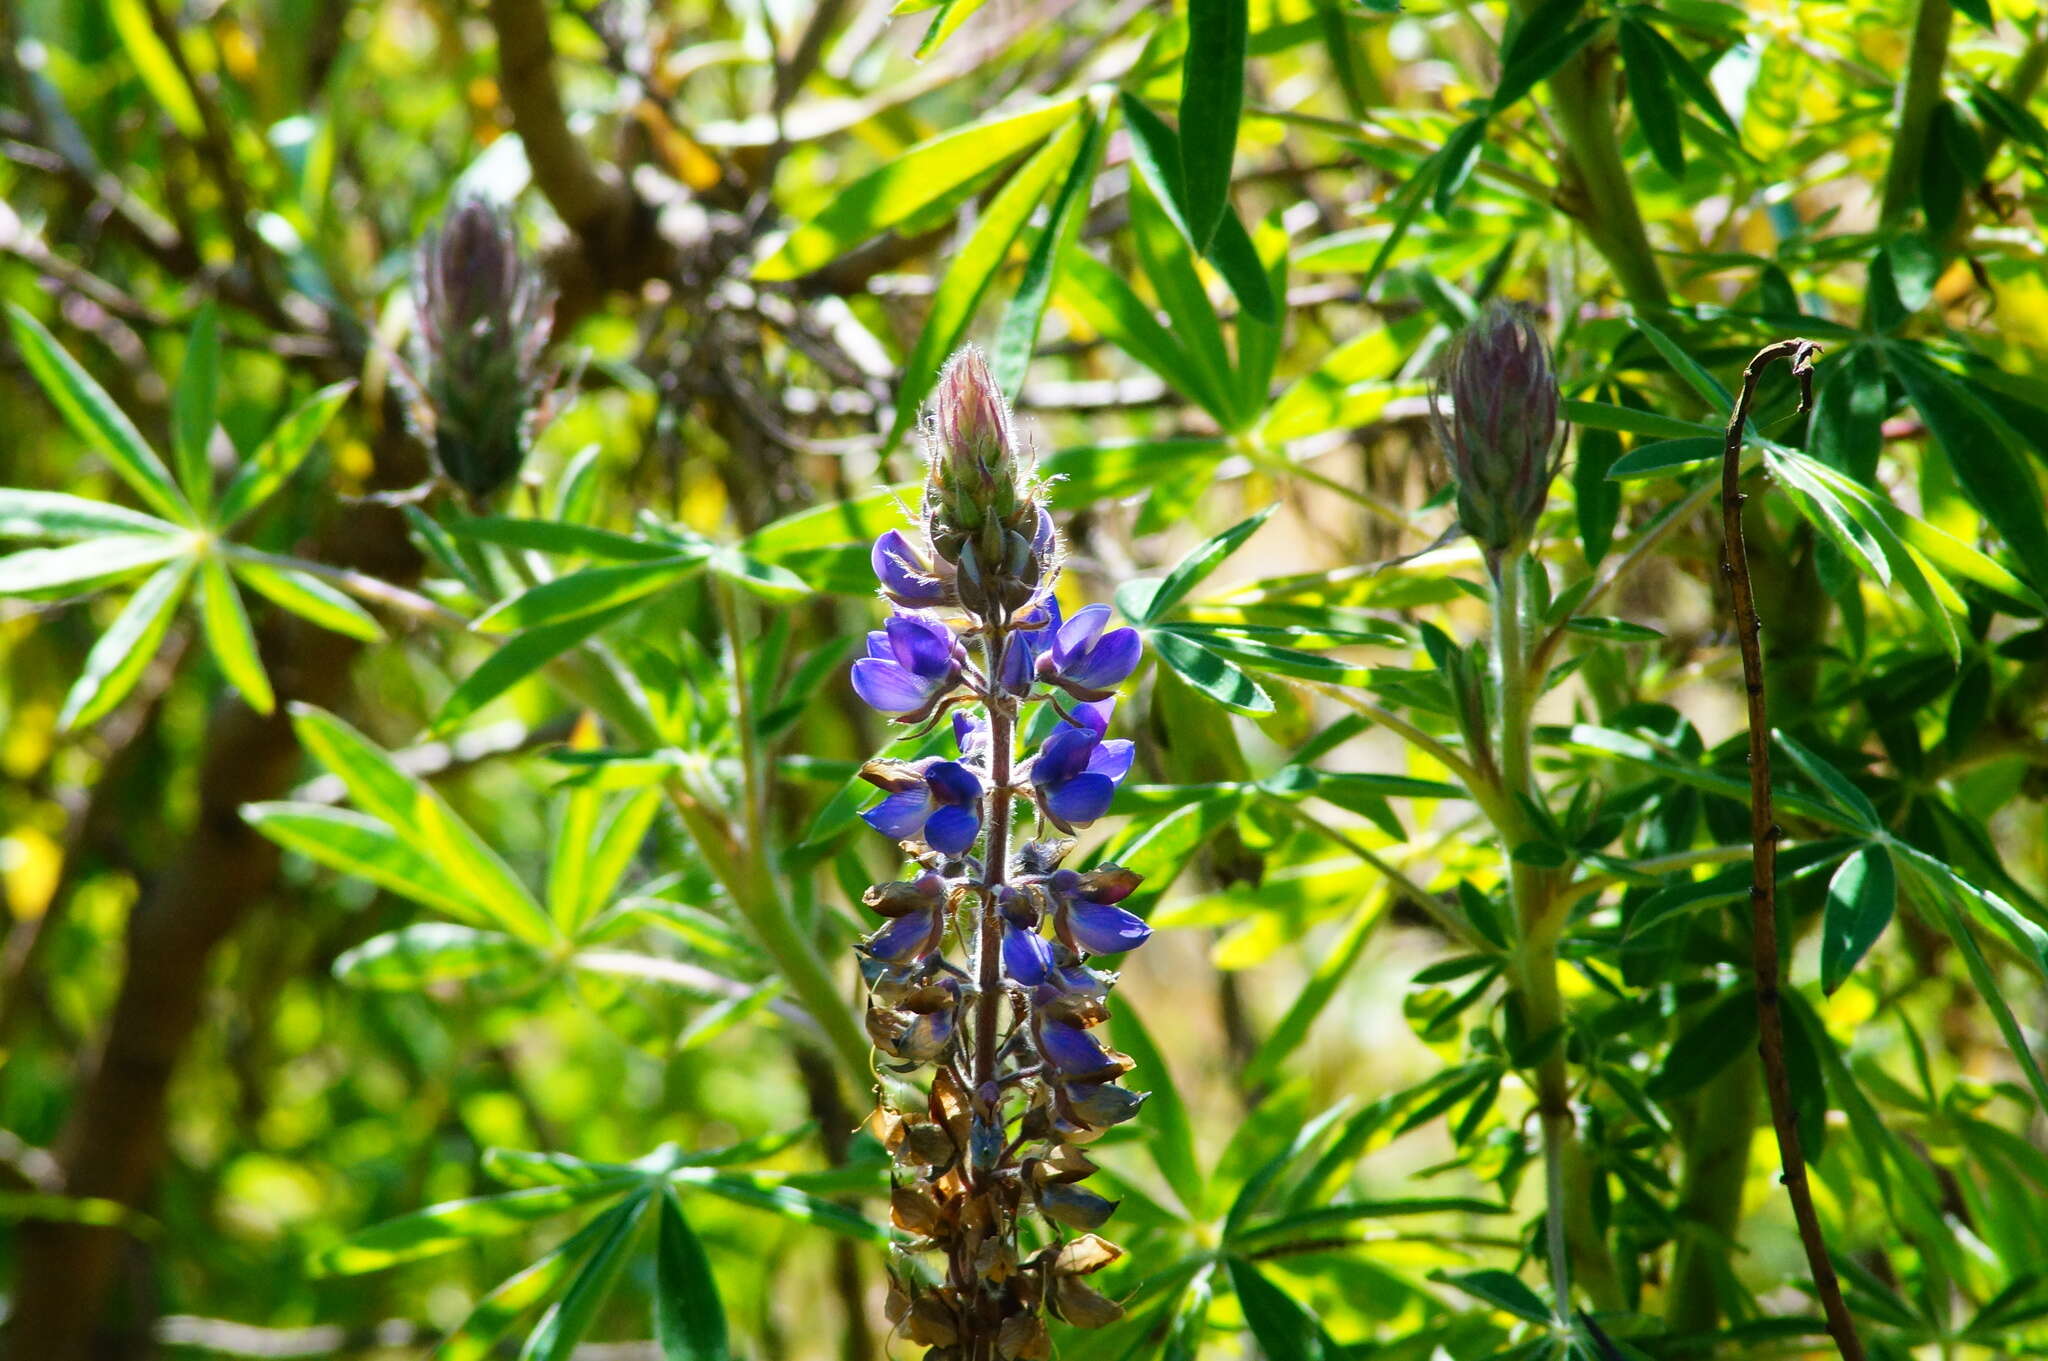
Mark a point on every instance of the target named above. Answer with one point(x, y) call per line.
point(1500, 434)
point(979, 976)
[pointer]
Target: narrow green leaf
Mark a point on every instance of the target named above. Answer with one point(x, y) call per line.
point(1694, 85)
point(281, 454)
point(1861, 899)
point(517, 659)
point(192, 407)
point(909, 182)
point(1629, 421)
point(94, 417)
point(424, 821)
point(1285, 1330)
point(1686, 367)
point(764, 1191)
point(55, 515)
point(1649, 91)
point(1017, 332)
point(555, 536)
point(689, 1320)
point(1666, 458)
point(1168, 1132)
point(1716, 1038)
point(1212, 95)
point(767, 580)
point(587, 592)
point(1211, 673)
point(95, 562)
point(1502, 1290)
point(496, 1312)
point(564, 1325)
point(345, 840)
point(440, 1228)
point(1835, 786)
point(1155, 151)
point(121, 655)
point(229, 637)
point(1105, 301)
point(417, 956)
point(973, 268)
point(155, 65)
point(1526, 63)
point(1460, 153)
point(1199, 562)
point(310, 598)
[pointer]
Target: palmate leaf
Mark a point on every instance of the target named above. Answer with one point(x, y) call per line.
point(910, 182)
point(94, 417)
point(121, 655)
point(1156, 153)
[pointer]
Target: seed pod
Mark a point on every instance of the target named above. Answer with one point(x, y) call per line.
point(485, 314)
point(1501, 428)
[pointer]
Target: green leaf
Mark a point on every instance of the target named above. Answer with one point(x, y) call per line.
point(1017, 332)
point(1861, 899)
point(1666, 458)
point(310, 598)
point(564, 1325)
point(444, 1227)
point(55, 515)
point(1538, 49)
point(1168, 1132)
point(1199, 562)
point(517, 659)
point(587, 592)
point(1716, 1038)
point(1169, 264)
point(1284, 1329)
point(1691, 82)
point(413, 957)
point(1502, 1290)
point(554, 536)
point(94, 417)
point(95, 562)
point(281, 454)
point(1212, 95)
point(1614, 630)
point(118, 660)
point(496, 1312)
point(767, 580)
point(765, 1191)
point(594, 851)
point(192, 407)
point(423, 821)
point(156, 66)
point(1629, 421)
point(345, 840)
point(1834, 785)
point(973, 268)
point(689, 1320)
point(229, 637)
point(1213, 674)
point(908, 183)
point(1155, 151)
point(1984, 452)
point(1292, 1029)
point(1649, 90)
point(1460, 153)
point(1686, 367)
point(1106, 303)
point(1950, 167)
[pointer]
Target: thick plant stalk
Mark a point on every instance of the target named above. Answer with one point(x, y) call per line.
point(1919, 93)
point(1764, 833)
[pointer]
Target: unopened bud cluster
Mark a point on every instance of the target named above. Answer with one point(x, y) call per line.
point(485, 314)
point(1501, 430)
point(982, 997)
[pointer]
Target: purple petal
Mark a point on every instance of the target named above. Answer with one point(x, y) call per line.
point(1018, 661)
point(1027, 956)
point(878, 646)
point(1070, 1048)
point(1109, 663)
point(1113, 758)
point(952, 830)
point(1064, 755)
point(899, 567)
point(1104, 930)
point(889, 687)
point(1094, 717)
point(1079, 633)
point(952, 783)
point(924, 646)
point(1041, 536)
point(900, 816)
point(902, 939)
point(1081, 800)
point(970, 733)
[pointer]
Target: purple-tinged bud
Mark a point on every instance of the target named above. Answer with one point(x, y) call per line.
point(980, 503)
point(484, 316)
point(1501, 429)
point(1076, 1208)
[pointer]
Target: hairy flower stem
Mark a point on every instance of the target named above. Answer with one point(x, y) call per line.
point(1002, 727)
point(1572, 1236)
point(1764, 834)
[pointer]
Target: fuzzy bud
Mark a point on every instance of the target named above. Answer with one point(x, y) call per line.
point(485, 315)
point(1501, 428)
point(980, 504)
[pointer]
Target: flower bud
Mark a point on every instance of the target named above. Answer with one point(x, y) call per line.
point(980, 505)
point(484, 318)
point(1501, 427)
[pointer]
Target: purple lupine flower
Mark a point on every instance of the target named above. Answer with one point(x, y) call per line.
point(918, 920)
point(1501, 430)
point(907, 579)
point(1076, 772)
point(1086, 916)
point(1086, 662)
point(1034, 627)
point(1102, 1104)
point(1076, 1052)
point(1027, 955)
point(913, 663)
point(938, 802)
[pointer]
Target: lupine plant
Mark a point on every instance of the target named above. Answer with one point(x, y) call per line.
point(1528, 602)
point(990, 1150)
